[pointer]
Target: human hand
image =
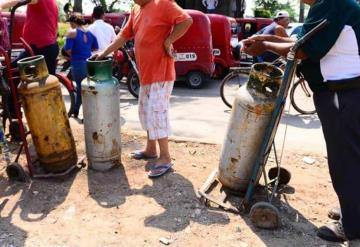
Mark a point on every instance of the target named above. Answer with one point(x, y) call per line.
point(97, 56)
point(169, 49)
point(254, 48)
point(258, 37)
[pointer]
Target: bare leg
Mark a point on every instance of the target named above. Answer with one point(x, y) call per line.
point(164, 152)
point(150, 149)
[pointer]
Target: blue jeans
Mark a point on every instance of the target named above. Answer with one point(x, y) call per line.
point(79, 73)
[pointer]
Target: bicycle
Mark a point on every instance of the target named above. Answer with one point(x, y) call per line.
point(239, 76)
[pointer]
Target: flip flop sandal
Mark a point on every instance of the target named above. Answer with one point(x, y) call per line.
point(158, 171)
point(139, 155)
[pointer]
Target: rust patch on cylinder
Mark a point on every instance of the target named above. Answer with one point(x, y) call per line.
point(95, 136)
point(115, 147)
point(233, 160)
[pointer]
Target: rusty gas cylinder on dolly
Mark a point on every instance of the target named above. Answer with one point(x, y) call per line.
point(101, 100)
point(253, 105)
point(45, 112)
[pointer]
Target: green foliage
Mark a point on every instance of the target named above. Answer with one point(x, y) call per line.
point(62, 31)
point(113, 5)
point(264, 7)
point(262, 13)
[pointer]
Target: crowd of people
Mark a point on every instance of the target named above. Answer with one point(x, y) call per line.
point(330, 64)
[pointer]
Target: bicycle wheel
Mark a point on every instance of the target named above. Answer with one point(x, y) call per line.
point(230, 84)
point(133, 83)
point(68, 92)
point(300, 94)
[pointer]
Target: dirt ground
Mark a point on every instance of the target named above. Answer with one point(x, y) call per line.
point(123, 207)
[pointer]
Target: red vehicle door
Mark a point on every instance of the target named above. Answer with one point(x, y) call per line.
point(194, 51)
point(221, 29)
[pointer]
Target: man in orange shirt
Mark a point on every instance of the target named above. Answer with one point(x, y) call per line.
point(155, 25)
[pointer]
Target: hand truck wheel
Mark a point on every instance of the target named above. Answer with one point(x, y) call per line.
point(264, 215)
point(16, 172)
point(284, 175)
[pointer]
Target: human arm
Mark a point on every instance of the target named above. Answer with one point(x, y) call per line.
point(124, 35)
point(95, 44)
point(280, 31)
point(259, 47)
point(270, 38)
point(71, 34)
point(69, 43)
point(179, 20)
point(204, 2)
point(178, 31)
point(12, 3)
point(115, 45)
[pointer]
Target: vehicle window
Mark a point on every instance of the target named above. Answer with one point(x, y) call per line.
point(249, 29)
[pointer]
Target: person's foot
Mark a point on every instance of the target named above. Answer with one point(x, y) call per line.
point(160, 167)
point(334, 214)
point(333, 232)
point(143, 155)
point(161, 161)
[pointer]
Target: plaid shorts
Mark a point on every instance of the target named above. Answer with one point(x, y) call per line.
point(154, 103)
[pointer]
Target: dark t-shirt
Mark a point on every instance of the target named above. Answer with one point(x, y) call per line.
point(335, 49)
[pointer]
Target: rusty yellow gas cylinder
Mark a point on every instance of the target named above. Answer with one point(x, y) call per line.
point(45, 112)
point(251, 113)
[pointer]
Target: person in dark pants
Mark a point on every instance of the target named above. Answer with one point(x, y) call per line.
point(40, 29)
point(331, 65)
point(40, 32)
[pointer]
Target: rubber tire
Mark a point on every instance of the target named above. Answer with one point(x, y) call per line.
point(14, 130)
point(223, 83)
point(71, 95)
point(15, 172)
point(265, 216)
point(197, 76)
point(284, 176)
point(220, 71)
point(292, 99)
point(133, 83)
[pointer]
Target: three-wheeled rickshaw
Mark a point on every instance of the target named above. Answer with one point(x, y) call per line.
point(223, 30)
point(194, 52)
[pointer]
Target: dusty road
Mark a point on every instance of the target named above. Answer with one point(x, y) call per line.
point(123, 207)
point(201, 115)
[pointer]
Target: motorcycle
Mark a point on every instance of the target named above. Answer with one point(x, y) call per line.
point(125, 66)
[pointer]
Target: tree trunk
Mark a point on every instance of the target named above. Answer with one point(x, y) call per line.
point(240, 8)
point(78, 6)
point(302, 11)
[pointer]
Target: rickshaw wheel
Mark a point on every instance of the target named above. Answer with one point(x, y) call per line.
point(284, 175)
point(195, 79)
point(220, 71)
point(264, 215)
point(15, 172)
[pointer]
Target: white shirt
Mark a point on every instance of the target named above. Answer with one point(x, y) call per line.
point(103, 32)
point(210, 4)
point(343, 59)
